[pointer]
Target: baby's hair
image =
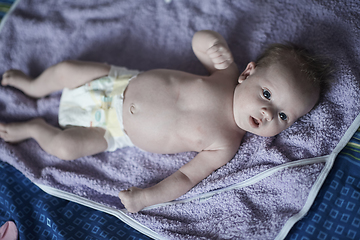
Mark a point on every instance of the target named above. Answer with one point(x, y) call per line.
point(314, 68)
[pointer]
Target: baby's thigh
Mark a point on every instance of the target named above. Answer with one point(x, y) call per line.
point(76, 142)
point(74, 73)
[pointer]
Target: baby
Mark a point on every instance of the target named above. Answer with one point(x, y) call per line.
point(166, 111)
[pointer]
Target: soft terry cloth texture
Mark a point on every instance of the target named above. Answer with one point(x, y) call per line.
point(154, 34)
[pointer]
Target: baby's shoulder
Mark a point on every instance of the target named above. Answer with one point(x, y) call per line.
point(229, 141)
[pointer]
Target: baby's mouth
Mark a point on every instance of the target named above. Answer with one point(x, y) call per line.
point(254, 122)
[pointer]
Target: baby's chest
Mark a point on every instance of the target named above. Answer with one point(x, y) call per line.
point(202, 129)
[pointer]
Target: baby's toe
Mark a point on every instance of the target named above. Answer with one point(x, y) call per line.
point(2, 128)
point(8, 73)
point(5, 78)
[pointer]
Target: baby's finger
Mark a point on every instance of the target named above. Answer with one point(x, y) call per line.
point(221, 54)
point(213, 49)
point(215, 55)
point(220, 59)
point(223, 65)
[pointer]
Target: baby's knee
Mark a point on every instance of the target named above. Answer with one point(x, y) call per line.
point(65, 66)
point(63, 71)
point(65, 150)
point(64, 154)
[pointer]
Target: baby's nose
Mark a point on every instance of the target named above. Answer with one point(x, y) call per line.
point(267, 113)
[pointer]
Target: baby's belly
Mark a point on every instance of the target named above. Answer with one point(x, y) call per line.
point(161, 113)
point(159, 132)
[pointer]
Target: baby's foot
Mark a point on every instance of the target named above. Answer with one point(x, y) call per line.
point(17, 132)
point(17, 79)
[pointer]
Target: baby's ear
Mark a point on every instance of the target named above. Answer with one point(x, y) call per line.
point(247, 72)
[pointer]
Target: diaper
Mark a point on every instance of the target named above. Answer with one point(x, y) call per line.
point(99, 103)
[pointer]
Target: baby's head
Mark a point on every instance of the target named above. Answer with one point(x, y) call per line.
point(280, 87)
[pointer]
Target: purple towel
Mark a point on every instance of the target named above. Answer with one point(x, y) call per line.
point(152, 34)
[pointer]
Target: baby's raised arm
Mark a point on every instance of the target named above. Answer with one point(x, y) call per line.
point(212, 50)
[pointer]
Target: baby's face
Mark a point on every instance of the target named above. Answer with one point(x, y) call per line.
point(270, 99)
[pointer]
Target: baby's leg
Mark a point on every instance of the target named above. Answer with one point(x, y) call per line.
point(67, 74)
point(65, 144)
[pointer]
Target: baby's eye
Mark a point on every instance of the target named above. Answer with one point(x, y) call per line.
point(283, 116)
point(266, 94)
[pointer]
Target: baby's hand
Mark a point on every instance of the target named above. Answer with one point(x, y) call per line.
point(220, 55)
point(132, 199)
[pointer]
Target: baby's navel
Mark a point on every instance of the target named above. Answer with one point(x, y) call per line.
point(132, 109)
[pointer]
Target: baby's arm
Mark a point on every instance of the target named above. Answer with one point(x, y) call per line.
point(179, 183)
point(212, 50)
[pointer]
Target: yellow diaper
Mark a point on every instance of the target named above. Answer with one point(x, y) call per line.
point(99, 104)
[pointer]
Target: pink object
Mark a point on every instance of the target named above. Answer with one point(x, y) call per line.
point(8, 231)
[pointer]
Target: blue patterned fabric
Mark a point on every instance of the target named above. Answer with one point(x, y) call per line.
point(38, 215)
point(335, 214)
point(5, 5)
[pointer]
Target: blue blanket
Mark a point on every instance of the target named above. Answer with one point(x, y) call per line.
point(39, 215)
